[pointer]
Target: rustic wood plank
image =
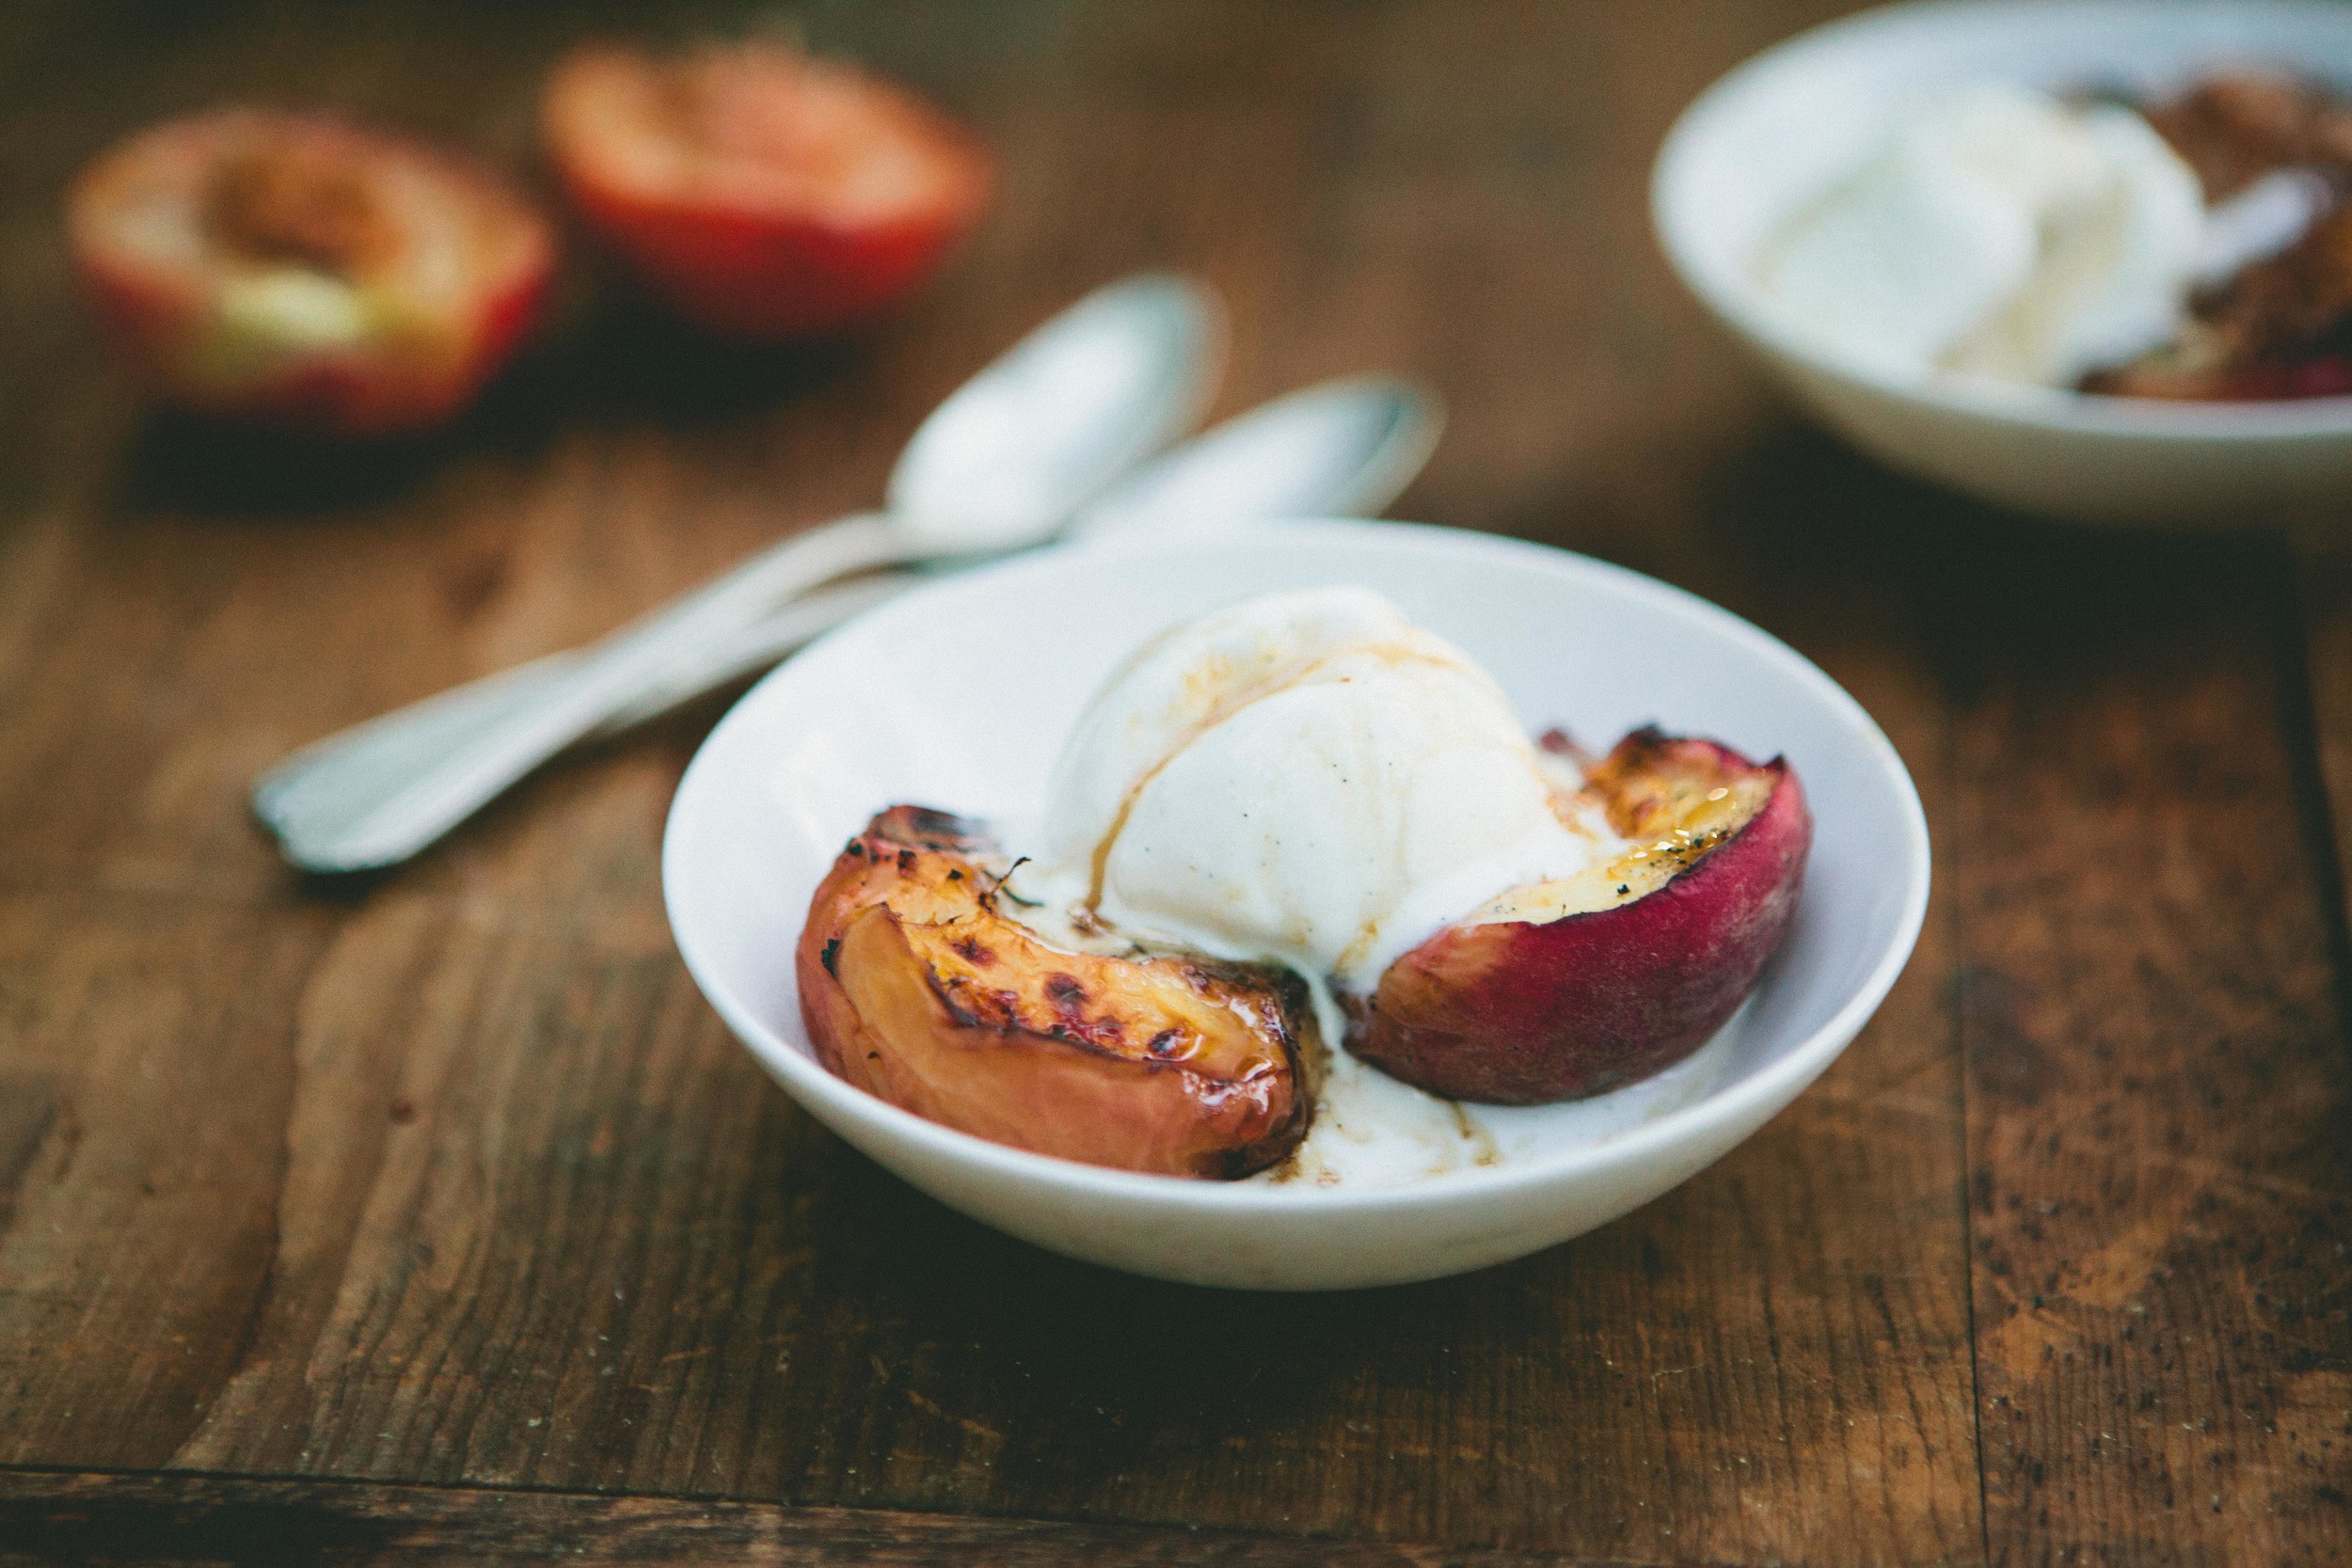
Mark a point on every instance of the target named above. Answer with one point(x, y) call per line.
point(2158, 1079)
point(141, 1159)
point(536, 1221)
point(180, 1521)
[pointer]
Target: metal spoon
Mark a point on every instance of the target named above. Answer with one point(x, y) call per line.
point(1339, 447)
point(1336, 449)
point(1003, 463)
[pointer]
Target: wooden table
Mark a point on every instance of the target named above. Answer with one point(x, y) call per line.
point(436, 1219)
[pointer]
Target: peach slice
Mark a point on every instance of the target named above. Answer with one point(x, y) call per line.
point(916, 990)
point(1572, 987)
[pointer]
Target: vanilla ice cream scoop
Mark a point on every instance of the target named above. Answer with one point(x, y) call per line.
point(2001, 233)
point(1306, 778)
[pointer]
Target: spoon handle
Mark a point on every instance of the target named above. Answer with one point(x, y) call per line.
point(376, 795)
point(351, 771)
point(759, 645)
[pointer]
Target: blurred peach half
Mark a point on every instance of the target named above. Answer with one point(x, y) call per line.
point(302, 270)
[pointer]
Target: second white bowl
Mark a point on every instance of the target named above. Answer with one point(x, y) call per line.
point(1784, 127)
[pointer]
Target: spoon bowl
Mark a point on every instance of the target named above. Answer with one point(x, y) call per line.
point(1011, 454)
point(1336, 449)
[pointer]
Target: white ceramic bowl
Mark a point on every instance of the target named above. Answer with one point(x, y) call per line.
point(1785, 126)
point(958, 695)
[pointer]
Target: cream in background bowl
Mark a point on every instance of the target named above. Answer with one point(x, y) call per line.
point(1784, 128)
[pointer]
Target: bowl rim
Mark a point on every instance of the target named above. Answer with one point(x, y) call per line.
point(1694, 1123)
point(1748, 313)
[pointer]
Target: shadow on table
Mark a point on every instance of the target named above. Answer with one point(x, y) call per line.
point(1139, 1354)
point(621, 363)
point(1782, 502)
point(1813, 532)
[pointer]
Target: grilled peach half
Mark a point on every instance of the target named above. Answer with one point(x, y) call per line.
point(916, 989)
point(306, 272)
point(1572, 987)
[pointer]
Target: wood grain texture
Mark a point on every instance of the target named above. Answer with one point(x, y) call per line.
point(2158, 1086)
point(140, 1109)
point(452, 1177)
point(181, 1521)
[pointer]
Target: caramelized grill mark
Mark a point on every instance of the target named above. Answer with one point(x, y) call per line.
point(913, 959)
point(921, 827)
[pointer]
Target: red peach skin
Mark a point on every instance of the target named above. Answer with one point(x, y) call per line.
point(1521, 1012)
point(767, 279)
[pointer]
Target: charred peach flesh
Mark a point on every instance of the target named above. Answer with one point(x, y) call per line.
point(1576, 987)
point(915, 988)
